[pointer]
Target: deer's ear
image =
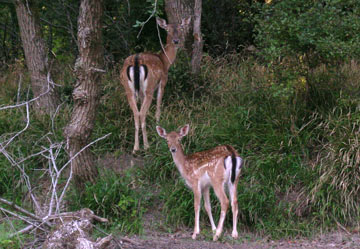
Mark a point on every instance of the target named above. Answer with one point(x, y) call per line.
point(161, 22)
point(184, 130)
point(186, 22)
point(161, 131)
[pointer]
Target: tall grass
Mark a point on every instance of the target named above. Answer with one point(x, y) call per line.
point(298, 131)
point(116, 197)
point(298, 135)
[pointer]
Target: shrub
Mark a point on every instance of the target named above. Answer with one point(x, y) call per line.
point(324, 31)
point(113, 197)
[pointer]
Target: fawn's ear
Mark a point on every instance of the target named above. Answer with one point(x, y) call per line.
point(184, 130)
point(161, 22)
point(161, 131)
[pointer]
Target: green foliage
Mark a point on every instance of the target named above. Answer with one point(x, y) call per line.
point(338, 163)
point(228, 26)
point(6, 229)
point(114, 197)
point(297, 134)
point(324, 31)
point(297, 128)
point(178, 203)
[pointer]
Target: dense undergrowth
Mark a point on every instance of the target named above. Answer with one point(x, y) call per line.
point(297, 129)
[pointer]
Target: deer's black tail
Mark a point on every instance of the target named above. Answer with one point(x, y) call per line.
point(136, 73)
point(235, 162)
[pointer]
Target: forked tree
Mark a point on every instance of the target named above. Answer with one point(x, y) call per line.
point(216, 167)
point(143, 73)
point(88, 69)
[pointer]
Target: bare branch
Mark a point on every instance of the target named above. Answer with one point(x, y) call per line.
point(51, 153)
point(20, 209)
point(24, 230)
point(3, 147)
point(14, 163)
point(50, 82)
point(64, 190)
point(21, 218)
point(152, 14)
point(19, 88)
point(162, 45)
point(73, 157)
point(97, 70)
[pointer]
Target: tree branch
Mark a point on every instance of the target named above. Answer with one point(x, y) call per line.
point(21, 210)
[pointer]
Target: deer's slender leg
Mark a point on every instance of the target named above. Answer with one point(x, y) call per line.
point(234, 206)
point(220, 193)
point(133, 106)
point(160, 94)
point(207, 205)
point(143, 112)
point(197, 200)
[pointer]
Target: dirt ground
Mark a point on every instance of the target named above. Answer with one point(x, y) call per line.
point(156, 237)
point(334, 240)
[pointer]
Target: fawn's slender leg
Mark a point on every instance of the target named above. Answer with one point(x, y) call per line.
point(133, 106)
point(234, 206)
point(197, 200)
point(220, 193)
point(207, 205)
point(143, 111)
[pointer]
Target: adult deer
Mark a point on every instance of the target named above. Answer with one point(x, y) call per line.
point(215, 167)
point(143, 73)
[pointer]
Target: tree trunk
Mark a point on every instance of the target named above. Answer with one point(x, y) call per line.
point(88, 68)
point(198, 42)
point(176, 10)
point(36, 57)
point(15, 40)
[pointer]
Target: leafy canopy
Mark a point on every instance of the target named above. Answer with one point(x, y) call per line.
point(325, 31)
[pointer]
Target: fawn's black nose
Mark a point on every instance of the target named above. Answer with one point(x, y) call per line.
point(176, 41)
point(173, 150)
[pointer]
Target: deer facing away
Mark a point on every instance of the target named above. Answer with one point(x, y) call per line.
point(143, 73)
point(216, 167)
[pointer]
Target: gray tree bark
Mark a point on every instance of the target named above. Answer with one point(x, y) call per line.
point(198, 41)
point(36, 55)
point(88, 69)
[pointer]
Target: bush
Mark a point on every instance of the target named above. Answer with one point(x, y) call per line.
point(299, 143)
point(324, 31)
point(113, 197)
point(297, 131)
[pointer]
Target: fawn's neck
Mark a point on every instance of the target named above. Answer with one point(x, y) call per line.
point(180, 161)
point(168, 55)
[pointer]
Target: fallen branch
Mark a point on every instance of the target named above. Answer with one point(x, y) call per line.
point(75, 228)
point(21, 218)
point(24, 230)
point(21, 210)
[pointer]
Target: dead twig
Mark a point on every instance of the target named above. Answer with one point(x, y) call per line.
point(21, 210)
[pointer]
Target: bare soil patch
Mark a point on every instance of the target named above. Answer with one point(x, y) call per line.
point(182, 240)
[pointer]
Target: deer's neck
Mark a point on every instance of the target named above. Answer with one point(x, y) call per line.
point(180, 161)
point(168, 54)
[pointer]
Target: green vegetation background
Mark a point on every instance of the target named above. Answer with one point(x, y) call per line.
point(291, 109)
